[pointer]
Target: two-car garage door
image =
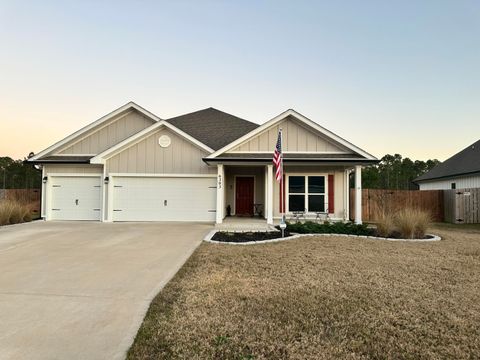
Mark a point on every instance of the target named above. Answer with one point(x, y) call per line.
point(163, 198)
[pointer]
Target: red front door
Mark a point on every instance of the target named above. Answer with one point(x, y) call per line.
point(244, 196)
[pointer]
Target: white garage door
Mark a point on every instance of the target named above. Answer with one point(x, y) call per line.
point(164, 199)
point(75, 198)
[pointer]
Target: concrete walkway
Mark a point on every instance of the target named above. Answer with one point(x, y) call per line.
point(80, 290)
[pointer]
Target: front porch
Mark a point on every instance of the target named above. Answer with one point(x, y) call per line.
point(249, 197)
point(244, 224)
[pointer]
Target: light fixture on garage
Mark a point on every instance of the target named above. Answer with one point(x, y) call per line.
point(105, 181)
point(44, 180)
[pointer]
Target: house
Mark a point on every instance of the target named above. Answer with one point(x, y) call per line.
point(461, 171)
point(130, 165)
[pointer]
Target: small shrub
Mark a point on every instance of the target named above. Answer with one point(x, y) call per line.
point(310, 227)
point(385, 224)
point(412, 223)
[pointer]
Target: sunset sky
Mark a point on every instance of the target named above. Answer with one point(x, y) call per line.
point(391, 77)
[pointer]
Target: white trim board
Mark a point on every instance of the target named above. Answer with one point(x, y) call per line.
point(66, 155)
point(306, 193)
point(161, 175)
point(129, 105)
point(298, 116)
point(136, 138)
point(289, 152)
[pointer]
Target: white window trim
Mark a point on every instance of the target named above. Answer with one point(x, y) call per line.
point(306, 175)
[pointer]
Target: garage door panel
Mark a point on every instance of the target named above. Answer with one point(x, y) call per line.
point(164, 199)
point(75, 198)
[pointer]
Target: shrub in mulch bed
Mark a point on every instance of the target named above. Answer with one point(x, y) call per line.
point(350, 228)
point(241, 237)
point(308, 227)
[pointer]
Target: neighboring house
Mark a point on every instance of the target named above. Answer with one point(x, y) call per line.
point(130, 165)
point(461, 171)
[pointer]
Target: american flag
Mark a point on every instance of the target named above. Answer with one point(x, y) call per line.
point(277, 157)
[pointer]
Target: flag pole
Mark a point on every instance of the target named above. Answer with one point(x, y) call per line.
point(283, 225)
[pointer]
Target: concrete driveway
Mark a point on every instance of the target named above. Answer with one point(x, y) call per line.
point(80, 290)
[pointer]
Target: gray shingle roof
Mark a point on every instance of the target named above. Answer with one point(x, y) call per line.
point(466, 161)
point(213, 127)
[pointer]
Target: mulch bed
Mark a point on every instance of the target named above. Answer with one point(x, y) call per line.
point(241, 237)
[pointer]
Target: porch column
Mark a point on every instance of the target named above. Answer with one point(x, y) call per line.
point(220, 193)
point(358, 194)
point(270, 194)
point(43, 207)
point(346, 185)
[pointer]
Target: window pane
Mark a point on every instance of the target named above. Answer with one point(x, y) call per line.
point(316, 184)
point(316, 203)
point(296, 202)
point(296, 184)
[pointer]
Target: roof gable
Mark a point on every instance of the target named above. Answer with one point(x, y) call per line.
point(466, 161)
point(76, 137)
point(213, 127)
point(296, 138)
point(140, 136)
point(329, 142)
point(147, 156)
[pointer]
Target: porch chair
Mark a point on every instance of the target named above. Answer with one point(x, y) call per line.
point(296, 215)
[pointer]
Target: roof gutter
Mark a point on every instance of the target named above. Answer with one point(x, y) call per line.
point(446, 176)
point(58, 161)
point(297, 160)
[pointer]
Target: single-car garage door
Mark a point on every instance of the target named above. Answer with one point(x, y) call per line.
point(75, 198)
point(164, 198)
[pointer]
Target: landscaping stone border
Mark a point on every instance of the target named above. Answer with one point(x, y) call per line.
point(209, 236)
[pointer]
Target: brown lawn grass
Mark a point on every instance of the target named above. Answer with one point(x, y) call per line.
point(321, 298)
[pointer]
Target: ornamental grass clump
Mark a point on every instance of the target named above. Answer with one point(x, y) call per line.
point(12, 212)
point(412, 223)
point(385, 224)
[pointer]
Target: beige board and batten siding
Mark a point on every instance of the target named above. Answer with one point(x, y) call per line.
point(106, 135)
point(445, 184)
point(148, 157)
point(72, 169)
point(296, 138)
point(339, 186)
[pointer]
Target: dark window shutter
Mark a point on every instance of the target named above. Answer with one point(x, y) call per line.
point(331, 194)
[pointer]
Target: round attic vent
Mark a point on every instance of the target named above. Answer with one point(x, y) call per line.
point(164, 141)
